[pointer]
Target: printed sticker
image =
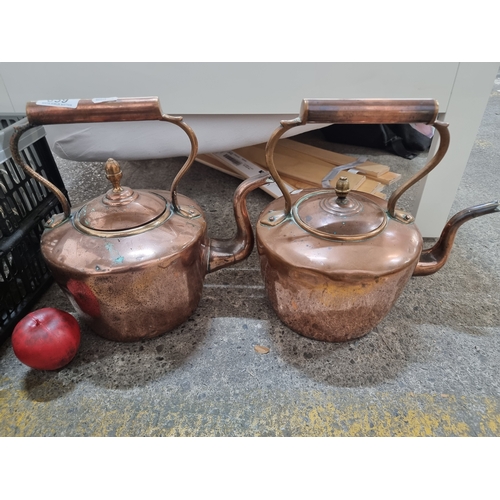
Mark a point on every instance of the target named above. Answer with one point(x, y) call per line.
point(97, 100)
point(59, 103)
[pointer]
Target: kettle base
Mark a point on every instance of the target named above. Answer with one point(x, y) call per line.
point(315, 306)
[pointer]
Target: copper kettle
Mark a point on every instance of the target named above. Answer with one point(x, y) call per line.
point(335, 261)
point(132, 262)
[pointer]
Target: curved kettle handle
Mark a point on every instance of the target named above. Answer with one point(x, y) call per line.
point(364, 111)
point(98, 111)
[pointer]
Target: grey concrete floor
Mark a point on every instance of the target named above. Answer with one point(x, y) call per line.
point(431, 367)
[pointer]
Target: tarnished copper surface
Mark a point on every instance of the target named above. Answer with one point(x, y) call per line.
point(334, 290)
point(337, 216)
point(130, 286)
point(434, 258)
point(133, 287)
point(121, 208)
point(333, 267)
point(133, 263)
point(369, 111)
point(316, 306)
point(340, 290)
point(88, 111)
point(397, 247)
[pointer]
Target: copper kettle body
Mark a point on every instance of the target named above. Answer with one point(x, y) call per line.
point(131, 262)
point(334, 261)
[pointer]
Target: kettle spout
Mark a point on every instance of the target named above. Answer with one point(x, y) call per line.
point(435, 258)
point(225, 253)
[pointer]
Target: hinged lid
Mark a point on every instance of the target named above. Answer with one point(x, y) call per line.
point(121, 209)
point(344, 216)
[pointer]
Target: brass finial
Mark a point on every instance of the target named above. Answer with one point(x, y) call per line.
point(342, 188)
point(114, 174)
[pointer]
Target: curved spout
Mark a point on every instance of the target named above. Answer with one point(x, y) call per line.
point(435, 258)
point(225, 253)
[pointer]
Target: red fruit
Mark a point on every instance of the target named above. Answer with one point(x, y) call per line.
point(46, 339)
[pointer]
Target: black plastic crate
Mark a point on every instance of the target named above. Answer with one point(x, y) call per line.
point(24, 206)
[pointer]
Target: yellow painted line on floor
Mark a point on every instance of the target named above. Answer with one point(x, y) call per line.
point(261, 413)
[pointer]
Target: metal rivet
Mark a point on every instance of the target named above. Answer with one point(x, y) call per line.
point(271, 218)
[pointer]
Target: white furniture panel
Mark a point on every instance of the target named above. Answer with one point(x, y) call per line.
point(227, 88)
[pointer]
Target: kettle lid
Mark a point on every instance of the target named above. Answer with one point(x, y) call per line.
point(346, 216)
point(121, 208)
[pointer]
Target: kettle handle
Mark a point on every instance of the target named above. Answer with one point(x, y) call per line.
point(364, 111)
point(369, 111)
point(98, 111)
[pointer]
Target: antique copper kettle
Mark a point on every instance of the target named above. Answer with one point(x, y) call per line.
point(133, 262)
point(335, 261)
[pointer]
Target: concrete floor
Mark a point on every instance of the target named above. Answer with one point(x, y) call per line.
point(431, 367)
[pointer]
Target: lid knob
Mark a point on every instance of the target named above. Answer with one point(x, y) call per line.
point(342, 189)
point(114, 174)
point(118, 195)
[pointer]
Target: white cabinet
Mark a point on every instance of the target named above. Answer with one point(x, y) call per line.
point(228, 88)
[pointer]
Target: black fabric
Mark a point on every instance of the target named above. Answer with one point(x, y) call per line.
point(413, 140)
point(402, 140)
